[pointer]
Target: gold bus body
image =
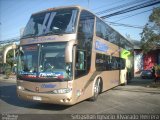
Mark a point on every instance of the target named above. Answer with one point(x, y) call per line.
point(81, 88)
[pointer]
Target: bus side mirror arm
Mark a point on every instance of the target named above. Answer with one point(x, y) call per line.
point(68, 51)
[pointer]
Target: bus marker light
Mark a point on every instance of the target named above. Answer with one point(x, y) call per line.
point(66, 100)
point(20, 88)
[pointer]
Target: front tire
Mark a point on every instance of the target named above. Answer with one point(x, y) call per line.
point(97, 89)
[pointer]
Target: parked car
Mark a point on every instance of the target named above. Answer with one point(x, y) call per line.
point(146, 74)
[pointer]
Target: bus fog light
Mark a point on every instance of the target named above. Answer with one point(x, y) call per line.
point(66, 100)
point(62, 91)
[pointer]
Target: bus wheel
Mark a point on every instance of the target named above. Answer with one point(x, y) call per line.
point(97, 89)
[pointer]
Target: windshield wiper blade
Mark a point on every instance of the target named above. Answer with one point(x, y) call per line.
point(49, 33)
point(54, 33)
point(29, 35)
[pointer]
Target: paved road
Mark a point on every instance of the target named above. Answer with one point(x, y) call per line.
point(134, 98)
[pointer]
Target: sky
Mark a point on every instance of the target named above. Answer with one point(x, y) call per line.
point(14, 14)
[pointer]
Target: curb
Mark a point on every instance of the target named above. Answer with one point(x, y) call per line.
point(11, 78)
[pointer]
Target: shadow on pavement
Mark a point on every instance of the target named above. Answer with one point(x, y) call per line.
point(138, 91)
point(8, 94)
point(141, 85)
point(137, 81)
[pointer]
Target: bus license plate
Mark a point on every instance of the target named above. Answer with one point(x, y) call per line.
point(37, 98)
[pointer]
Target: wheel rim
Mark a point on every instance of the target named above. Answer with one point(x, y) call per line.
point(97, 87)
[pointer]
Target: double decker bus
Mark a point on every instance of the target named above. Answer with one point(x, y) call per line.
point(68, 54)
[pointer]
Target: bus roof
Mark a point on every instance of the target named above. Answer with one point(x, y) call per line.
point(56, 8)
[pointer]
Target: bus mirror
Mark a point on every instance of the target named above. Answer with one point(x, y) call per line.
point(68, 51)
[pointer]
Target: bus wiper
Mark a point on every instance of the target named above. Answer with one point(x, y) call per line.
point(28, 35)
point(53, 33)
point(49, 33)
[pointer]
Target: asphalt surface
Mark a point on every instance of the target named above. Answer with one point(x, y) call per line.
point(134, 98)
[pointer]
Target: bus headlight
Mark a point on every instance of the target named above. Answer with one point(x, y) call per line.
point(62, 91)
point(20, 88)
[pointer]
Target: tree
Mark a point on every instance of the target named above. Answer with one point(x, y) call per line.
point(150, 37)
point(9, 60)
point(1, 58)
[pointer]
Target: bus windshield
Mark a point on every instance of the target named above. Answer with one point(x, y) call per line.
point(41, 61)
point(52, 57)
point(60, 21)
point(28, 60)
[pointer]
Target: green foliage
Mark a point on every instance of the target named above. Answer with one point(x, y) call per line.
point(7, 70)
point(155, 16)
point(10, 58)
point(1, 52)
point(150, 37)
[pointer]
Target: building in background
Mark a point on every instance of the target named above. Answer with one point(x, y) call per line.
point(145, 61)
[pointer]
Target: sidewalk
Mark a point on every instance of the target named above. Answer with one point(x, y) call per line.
point(12, 78)
point(145, 82)
point(141, 85)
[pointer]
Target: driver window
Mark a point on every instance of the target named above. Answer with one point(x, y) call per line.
point(80, 60)
point(80, 63)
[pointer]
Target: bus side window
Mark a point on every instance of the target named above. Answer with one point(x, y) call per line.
point(80, 60)
point(80, 63)
point(123, 64)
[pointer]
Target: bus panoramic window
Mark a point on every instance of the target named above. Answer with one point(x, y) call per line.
point(101, 29)
point(105, 62)
point(100, 62)
point(85, 35)
point(54, 22)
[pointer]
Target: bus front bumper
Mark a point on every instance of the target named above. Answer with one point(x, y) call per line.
point(62, 99)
